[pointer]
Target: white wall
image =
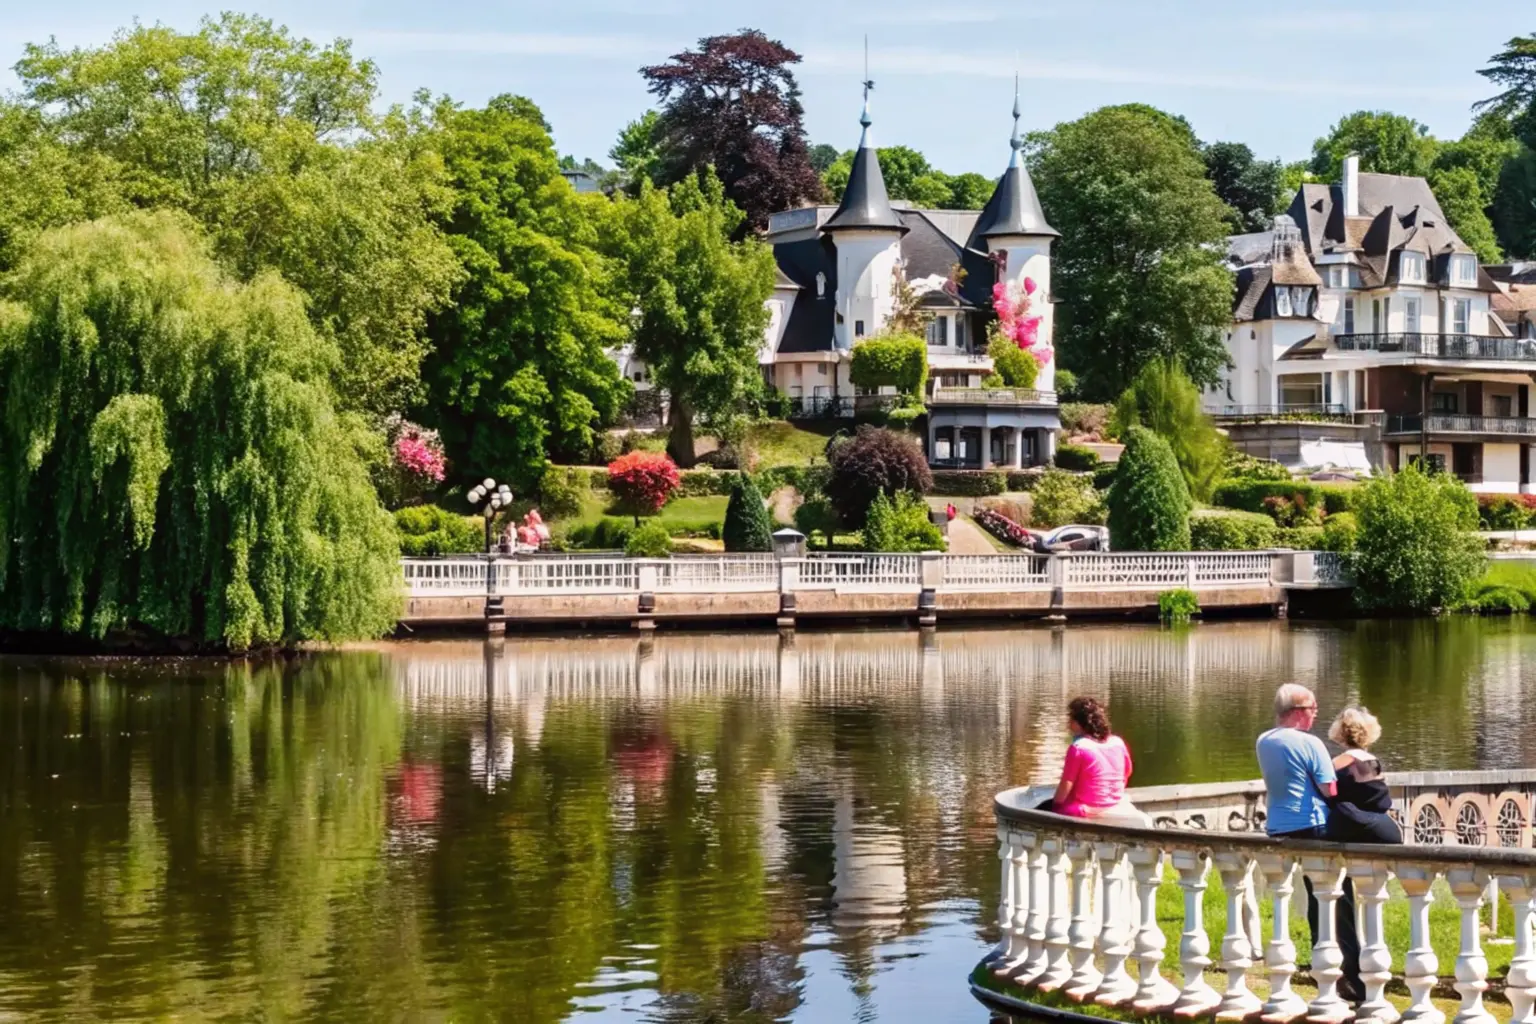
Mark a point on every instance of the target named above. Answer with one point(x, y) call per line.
point(1030, 256)
point(780, 305)
point(866, 261)
point(1501, 469)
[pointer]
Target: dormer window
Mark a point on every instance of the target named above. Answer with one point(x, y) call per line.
point(1301, 300)
point(1338, 276)
point(1463, 269)
point(1282, 302)
point(938, 332)
point(1410, 269)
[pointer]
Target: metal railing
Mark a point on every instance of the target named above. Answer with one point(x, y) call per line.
point(1455, 423)
point(820, 407)
point(991, 396)
point(1295, 411)
point(1438, 346)
point(863, 572)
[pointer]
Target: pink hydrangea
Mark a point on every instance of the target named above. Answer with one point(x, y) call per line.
point(420, 453)
point(1014, 321)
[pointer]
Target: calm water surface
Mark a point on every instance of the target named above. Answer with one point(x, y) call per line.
point(694, 828)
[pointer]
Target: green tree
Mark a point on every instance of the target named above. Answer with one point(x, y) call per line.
point(171, 455)
point(1149, 504)
point(1515, 69)
point(271, 142)
point(891, 360)
point(1163, 400)
point(909, 176)
point(1415, 548)
point(747, 527)
point(874, 461)
point(822, 156)
point(699, 300)
point(1514, 206)
point(1060, 498)
point(637, 153)
point(1250, 187)
point(900, 522)
point(969, 191)
point(1386, 144)
point(1292, 177)
point(45, 184)
point(1139, 270)
point(518, 369)
point(1461, 198)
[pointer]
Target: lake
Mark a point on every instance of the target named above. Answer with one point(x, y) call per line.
point(685, 828)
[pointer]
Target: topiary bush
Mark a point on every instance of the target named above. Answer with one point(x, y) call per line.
point(1012, 367)
point(1104, 475)
point(1076, 457)
point(900, 523)
point(968, 483)
point(426, 530)
point(1416, 549)
point(1149, 503)
point(874, 461)
point(1177, 607)
point(641, 482)
point(1232, 531)
point(1302, 538)
point(746, 527)
point(1061, 498)
point(891, 360)
point(649, 540)
point(1249, 495)
point(1163, 399)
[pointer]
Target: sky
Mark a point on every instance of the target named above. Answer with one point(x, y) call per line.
point(1274, 75)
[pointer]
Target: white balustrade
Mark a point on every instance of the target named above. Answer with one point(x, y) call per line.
point(1327, 877)
point(1279, 873)
point(1036, 916)
point(1058, 964)
point(444, 577)
point(1520, 983)
point(1420, 964)
point(1468, 886)
point(1238, 1002)
point(997, 572)
point(1119, 925)
point(1134, 571)
point(1082, 935)
point(889, 573)
point(717, 574)
point(1154, 993)
point(1370, 880)
point(1023, 897)
point(1005, 850)
point(1197, 997)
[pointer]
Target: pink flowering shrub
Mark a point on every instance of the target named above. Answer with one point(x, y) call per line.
point(1014, 321)
point(420, 453)
point(414, 464)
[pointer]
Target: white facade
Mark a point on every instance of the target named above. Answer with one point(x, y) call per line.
point(1029, 256)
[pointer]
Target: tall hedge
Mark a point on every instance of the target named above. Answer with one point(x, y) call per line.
point(891, 360)
point(1149, 503)
point(747, 527)
point(170, 457)
point(1416, 548)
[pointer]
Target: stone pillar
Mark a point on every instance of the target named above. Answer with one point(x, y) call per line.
point(1048, 446)
point(986, 447)
point(1018, 448)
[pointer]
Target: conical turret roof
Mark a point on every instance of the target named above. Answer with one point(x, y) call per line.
point(1014, 208)
point(865, 205)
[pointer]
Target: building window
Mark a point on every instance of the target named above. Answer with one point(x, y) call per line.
point(1463, 269)
point(1444, 401)
point(1337, 275)
point(1349, 314)
point(960, 338)
point(1461, 314)
point(1282, 302)
point(938, 332)
point(858, 328)
point(1375, 316)
point(1411, 314)
point(821, 284)
point(1435, 463)
point(821, 369)
point(1301, 300)
point(1410, 268)
point(1501, 405)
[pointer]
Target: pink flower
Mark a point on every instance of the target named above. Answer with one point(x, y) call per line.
point(1000, 295)
point(1029, 286)
point(421, 456)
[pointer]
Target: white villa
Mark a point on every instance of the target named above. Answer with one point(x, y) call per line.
point(1364, 332)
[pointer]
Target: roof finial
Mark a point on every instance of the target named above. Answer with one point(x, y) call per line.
point(869, 84)
point(1016, 142)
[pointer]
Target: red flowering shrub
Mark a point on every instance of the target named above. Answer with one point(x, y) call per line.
point(1002, 527)
point(642, 482)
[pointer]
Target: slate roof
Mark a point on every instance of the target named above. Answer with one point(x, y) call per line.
point(1014, 208)
point(865, 205)
point(812, 317)
point(925, 249)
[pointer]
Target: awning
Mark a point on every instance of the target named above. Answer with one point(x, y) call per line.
point(1335, 455)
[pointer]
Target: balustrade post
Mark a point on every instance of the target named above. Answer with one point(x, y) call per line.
point(1420, 965)
point(1058, 967)
point(1197, 998)
point(1154, 993)
point(1118, 929)
point(1238, 1002)
point(1375, 958)
point(1468, 885)
point(1283, 1005)
point(1035, 919)
point(1083, 934)
point(1004, 948)
point(1327, 875)
point(1520, 985)
point(1018, 871)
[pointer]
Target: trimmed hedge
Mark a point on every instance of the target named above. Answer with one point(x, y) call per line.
point(1302, 538)
point(969, 483)
point(1076, 457)
point(1232, 531)
point(1248, 495)
point(1019, 480)
point(426, 530)
point(1149, 504)
point(704, 483)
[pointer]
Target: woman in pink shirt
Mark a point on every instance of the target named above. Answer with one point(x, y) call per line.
point(1097, 768)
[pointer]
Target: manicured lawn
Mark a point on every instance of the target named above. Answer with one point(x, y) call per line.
point(1520, 575)
point(679, 513)
point(785, 444)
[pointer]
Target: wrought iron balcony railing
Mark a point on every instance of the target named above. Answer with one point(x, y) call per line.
point(1438, 346)
point(1453, 423)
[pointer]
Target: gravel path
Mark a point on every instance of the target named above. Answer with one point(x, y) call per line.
point(966, 538)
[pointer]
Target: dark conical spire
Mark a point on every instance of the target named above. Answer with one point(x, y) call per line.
point(1014, 208)
point(865, 204)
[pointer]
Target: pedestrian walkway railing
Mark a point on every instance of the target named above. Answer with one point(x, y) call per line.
point(471, 575)
point(1078, 911)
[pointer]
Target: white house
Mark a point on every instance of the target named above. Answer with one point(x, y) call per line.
point(1363, 308)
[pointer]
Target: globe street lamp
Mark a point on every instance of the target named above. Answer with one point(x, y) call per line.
point(495, 499)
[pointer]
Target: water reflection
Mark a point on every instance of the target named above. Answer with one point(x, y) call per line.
point(686, 828)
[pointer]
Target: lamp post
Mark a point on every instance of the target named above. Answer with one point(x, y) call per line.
point(495, 499)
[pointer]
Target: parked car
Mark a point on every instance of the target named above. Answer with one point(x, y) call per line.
point(1073, 538)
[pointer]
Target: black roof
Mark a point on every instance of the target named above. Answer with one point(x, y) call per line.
point(865, 204)
point(812, 317)
point(1014, 208)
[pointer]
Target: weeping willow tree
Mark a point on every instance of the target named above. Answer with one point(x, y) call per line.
point(170, 460)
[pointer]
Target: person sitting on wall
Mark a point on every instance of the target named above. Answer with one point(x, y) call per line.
point(1097, 767)
point(1359, 812)
point(1300, 781)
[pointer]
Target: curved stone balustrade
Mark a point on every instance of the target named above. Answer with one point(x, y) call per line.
point(1078, 906)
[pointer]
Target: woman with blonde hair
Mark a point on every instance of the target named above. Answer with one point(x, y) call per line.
point(1358, 813)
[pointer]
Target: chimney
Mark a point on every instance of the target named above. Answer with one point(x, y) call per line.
point(1351, 186)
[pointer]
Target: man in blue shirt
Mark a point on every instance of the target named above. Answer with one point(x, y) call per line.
point(1299, 781)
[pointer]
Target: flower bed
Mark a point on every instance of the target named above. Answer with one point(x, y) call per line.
point(1003, 528)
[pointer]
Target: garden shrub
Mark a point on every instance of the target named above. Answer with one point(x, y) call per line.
point(1149, 503)
point(1104, 475)
point(968, 483)
point(1248, 495)
point(1416, 549)
point(1232, 531)
point(1022, 479)
point(1066, 384)
point(1502, 512)
point(1295, 511)
point(1084, 419)
point(607, 534)
point(649, 540)
point(900, 523)
point(1340, 532)
point(606, 446)
point(746, 527)
point(1496, 599)
point(1164, 400)
point(426, 530)
point(704, 483)
point(641, 482)
point(1302, 538)
point(874, 461)
point(561, 490)
point(1177, 606)
point(816, 514)
point(1076, 457)
point(807, 480)
point(891, 360)
point(1012, 367)
point(1239, 464)
point(1061, 498)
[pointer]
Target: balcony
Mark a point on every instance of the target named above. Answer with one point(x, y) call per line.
point(1453, 423)
point(1436, 346)
point(1303, 412)
point(991, 397)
